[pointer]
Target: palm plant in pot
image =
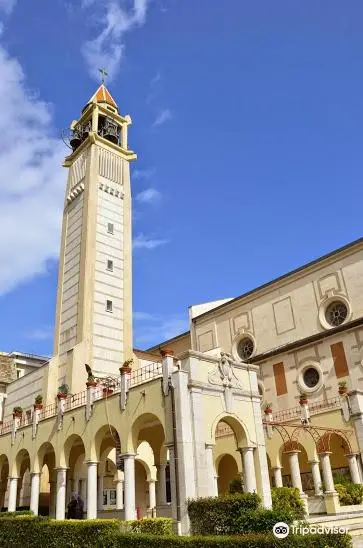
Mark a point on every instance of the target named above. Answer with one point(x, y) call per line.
point(343, 388)
point(267, 408)
point(63, 391)
point(18, 412)
point(38, 402)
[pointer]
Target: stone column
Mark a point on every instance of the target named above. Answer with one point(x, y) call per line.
point(353, 467)
point(359, 464)
point(60, 508)
point(83, 492)
point(152, 496)
point(213, 487)
point(315, 470)
point(34, 492)
point(295, 470)
point(161, 490)
point(13, 492)
point(91, 490)
point(100, 493)
point(277, 476)
point(129, 479)
point(119, 494)
point(249, 473)
point(327, 473)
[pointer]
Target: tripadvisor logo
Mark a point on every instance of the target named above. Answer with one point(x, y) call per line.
point(281, 529)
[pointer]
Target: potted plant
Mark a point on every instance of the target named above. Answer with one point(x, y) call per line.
point(303, 400)
point(38, 402)
point(17, 412)
point(343, 389)
point(126, 367)
point(63, 392)
point(267, 408)
point(91, 381)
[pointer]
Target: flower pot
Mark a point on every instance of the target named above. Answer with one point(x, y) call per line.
point(17, 415)
point(303, 401)
point(107, 391)
point(268, 411)
point(125, 370)
point(38, 406)
point(343, 390)
point(91, 383)
point(62, 396)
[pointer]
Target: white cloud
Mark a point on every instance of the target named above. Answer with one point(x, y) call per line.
point(32, 181)
point(143, 242)
point(153, 329)
point(7, 5)
point(106, 48)
point(41, 334)
point(163, 116)
point(149, 196)
point(142, 174)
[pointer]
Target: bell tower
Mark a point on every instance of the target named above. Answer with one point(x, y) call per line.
point(94, 299)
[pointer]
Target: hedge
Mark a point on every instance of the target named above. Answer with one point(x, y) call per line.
point(151, 526)
point(218, 515)
point(288, 499)
point(32, 532)
point(246, 541)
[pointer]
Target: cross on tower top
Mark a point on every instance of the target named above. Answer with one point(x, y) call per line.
point(104, 73)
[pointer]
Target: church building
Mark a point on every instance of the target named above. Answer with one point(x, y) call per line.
point(265, 388)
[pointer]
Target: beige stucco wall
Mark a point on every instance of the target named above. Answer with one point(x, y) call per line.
point(287, 310)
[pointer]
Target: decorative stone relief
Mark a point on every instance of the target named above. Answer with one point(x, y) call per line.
point(224, 375)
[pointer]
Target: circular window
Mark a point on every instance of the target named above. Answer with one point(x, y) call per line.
point(336, 313)
point(245, 348)
point(311, 377)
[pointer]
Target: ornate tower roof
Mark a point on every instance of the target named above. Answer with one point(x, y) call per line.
point(102, 95)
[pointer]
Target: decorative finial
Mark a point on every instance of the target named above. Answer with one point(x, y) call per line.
point(104, 73)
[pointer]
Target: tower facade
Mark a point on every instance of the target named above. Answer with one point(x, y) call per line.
point(94, 299)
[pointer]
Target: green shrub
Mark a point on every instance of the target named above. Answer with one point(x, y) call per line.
point(217, 515)
point(246, 541)
point(260, 521)
point(235, 486)
point(349, 493)
point(288, 499)
point(150, 526)
point(32, 532)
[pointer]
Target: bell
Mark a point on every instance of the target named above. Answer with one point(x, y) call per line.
point(110, 131)
point(85, 130)
point(75, 141)
point(110, 137)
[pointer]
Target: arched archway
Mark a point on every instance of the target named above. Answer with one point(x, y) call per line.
point(227, 471)
point(45, 464)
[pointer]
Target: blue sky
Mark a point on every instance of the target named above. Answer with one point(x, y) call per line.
point(248, 126)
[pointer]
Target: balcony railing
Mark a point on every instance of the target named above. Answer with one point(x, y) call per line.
point(314, 408)
point(146, 373)
point(138, 376)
